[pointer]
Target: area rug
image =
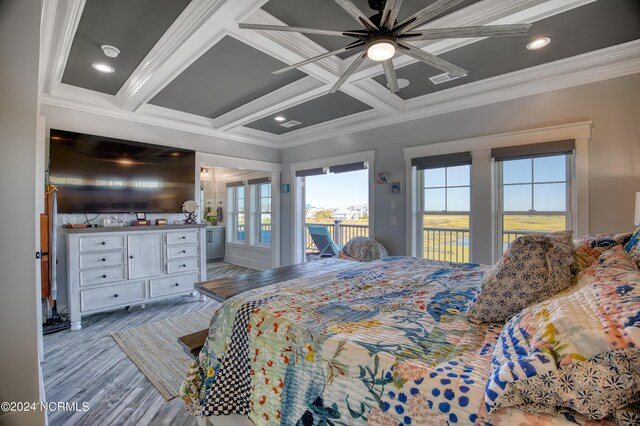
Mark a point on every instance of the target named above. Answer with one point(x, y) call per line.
point(154, 348)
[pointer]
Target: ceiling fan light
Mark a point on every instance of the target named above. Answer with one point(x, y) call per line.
point(381, 50)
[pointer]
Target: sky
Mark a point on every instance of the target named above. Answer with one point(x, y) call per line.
point(521, 178)
point(338, 190)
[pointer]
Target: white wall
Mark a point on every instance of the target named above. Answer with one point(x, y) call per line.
point(19, 367)
point(614, 151)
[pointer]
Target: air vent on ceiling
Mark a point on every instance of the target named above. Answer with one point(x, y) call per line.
point(291, 123)
point(442, 78)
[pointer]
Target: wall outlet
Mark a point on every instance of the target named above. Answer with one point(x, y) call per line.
point(394, 221)
point(393, 205)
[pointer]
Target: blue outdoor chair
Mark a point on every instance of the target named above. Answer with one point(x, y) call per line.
point(323, 241)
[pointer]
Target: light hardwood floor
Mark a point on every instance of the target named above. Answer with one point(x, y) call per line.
point(89, 366)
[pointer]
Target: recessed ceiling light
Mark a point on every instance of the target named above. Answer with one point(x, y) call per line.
point(538, 43)
point(98, 66)
point(280, 118)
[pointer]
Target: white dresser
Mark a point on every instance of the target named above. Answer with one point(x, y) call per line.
point(111, 268)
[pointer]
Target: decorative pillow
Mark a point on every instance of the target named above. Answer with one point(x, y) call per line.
point(617, 257)
point(633, 246)
point(590, 247)
point(577, 350)
point(533, 268)
point(364, 249)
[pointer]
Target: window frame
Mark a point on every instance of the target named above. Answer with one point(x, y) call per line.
point(500, 213)
point(232, 202)
point(422, 212)
point(256, 211)
point(483, 195)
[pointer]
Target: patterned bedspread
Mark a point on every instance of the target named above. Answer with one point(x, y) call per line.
point(384, 343)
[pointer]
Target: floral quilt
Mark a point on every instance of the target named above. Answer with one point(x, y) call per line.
point(578, 350)
point(384, 343)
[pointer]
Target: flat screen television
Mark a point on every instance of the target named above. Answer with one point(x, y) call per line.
point(97, 174)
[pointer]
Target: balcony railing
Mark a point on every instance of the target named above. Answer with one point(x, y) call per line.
point(452, 244)
point(340, 232)
point(448, 244)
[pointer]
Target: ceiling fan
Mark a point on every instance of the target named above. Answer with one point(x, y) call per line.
point(383, 36)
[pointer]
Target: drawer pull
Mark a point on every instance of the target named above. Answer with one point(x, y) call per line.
point(115, 295)
point(131, 257)
point(184, 266)
point(184, 251)
point(184, 237)
point(104, 276)
point(177, 284)
point(104, 260)
point(104, 243)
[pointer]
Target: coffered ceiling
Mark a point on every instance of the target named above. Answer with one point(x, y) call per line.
point(186, 64)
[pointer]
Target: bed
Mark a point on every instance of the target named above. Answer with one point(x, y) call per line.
point(383, 343)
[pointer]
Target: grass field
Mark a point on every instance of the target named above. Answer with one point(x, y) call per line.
point(450, 238)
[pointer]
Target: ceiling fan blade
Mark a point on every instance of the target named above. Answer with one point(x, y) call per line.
point(422, 16)
point(352, 68)
point(390, 13)
point(300, 30)
point(464, 32)
point(317, 58)
point(357, 14)
point(390, 72)
point(433, 60)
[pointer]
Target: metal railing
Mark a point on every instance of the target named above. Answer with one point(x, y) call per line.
point(449, 244)
point(340, 232)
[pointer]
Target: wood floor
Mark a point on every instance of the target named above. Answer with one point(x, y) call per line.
point(89, 366)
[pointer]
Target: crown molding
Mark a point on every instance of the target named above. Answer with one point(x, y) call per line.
point(604, 64)
point(135, 91)
point(83, 100)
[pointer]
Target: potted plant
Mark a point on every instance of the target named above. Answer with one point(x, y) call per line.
point(212, 219)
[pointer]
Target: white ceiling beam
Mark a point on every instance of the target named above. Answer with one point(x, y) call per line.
point(298, 92)
point(202, 24)
point(85, 100)
point(60, 21)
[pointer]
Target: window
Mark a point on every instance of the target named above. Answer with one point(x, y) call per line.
point(237, 213)
point(263, 213)
point(445, 212)
point(534, 196)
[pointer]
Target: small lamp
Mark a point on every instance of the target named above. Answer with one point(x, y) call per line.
point(636, 220)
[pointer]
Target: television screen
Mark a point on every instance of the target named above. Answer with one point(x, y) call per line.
point(96, 174)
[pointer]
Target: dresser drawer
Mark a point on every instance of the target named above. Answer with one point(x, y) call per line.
point(102, 276)
point(101, 298)
point(171, 285)
point(182, 237)
point(178, 252)
point(182, 265)
point(101, 260)
point(100, 243)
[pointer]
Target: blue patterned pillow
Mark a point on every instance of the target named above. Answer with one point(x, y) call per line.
point(533, 268)
point(633, 246)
